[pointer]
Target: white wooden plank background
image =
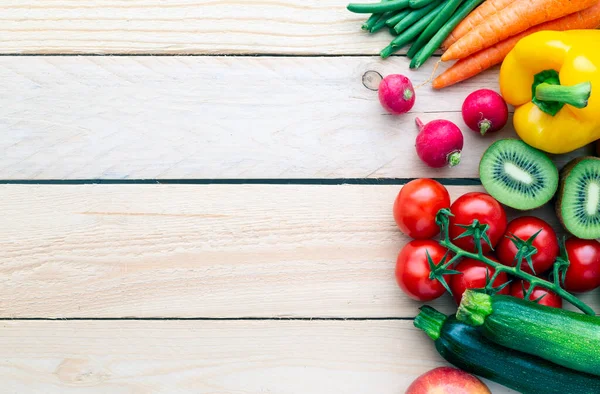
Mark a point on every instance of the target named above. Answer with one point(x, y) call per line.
point(184, 27)
point(218, 117)
point(204, 251)
point(249, 357)
point(207, 251)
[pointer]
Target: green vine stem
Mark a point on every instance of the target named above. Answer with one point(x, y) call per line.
point(478, 232)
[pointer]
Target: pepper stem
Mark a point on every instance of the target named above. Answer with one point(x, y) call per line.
point(430, 321)
point(454, 158)
point(575, 95)
point(474, 308)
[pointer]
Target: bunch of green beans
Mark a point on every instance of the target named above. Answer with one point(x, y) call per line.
point(424, 23)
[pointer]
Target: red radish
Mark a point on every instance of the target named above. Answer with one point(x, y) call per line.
point(485, 110)
point(447, 380)
point(439, 143)
point(396, 94)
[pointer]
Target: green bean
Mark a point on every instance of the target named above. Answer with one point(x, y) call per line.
point(419, 3)
point(414, 16)
point(369, 23)
point(409, 34)
point(435, 42)
point(414, 49)
point(393, 5)
point(381, 22)
point(442, 17)
point(391, 22)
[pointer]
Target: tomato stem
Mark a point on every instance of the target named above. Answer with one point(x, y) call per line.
point(479, 234)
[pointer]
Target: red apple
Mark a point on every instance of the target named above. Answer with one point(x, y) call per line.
point(447, 380)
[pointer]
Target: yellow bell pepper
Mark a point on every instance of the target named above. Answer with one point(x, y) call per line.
point(553, 80)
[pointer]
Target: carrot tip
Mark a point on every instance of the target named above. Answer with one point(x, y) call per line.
point(445, 57)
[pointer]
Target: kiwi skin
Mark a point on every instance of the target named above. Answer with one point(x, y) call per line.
point(564, 174)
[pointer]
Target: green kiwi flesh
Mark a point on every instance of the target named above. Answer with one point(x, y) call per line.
point(578, 204)
point(518, 175)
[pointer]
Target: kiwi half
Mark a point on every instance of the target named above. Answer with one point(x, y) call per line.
point(578, 204)
point(518, 175)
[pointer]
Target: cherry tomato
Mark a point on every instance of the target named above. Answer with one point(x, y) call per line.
point(473, 276)
point(417, 204)
point(548, 298)
point(583, 273)
point(412, 269)
point(546, 244)
point(480, 206)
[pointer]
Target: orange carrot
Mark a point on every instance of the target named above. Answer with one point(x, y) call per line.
point(489, 57)
point(489, 7)
point(517, 17)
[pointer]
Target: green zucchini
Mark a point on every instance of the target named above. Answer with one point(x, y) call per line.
point(466, 348)
point(563, 337)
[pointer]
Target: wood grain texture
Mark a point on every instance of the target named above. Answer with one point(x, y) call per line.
point(217, 117)
point(245, 357)
point(203, 251)
point(185, 27)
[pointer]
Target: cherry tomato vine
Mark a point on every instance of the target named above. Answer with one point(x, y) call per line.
point(526, 251)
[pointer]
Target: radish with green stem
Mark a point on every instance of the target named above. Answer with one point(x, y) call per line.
point(485, 111)
point(396, 94)
point(439, 143)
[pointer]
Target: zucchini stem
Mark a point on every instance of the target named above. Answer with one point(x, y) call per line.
point(430, 321)
point(474, 308)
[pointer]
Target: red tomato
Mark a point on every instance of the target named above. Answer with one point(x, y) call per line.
point(472, 276)
point(583, 273)
point(480, 206)
point(447, 380)
point(412, 270)
point(546, 244)
point(548, 298)
point(417, 204)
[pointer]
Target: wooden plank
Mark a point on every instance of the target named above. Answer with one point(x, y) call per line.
point(185, 27)
point(204, 251)
point(253, 357)
point(217, 117)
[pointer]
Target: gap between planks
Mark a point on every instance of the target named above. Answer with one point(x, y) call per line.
point(217, 55)
point(315, 319)
point(292, 181)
